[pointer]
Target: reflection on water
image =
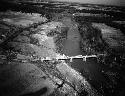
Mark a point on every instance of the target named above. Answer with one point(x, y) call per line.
point(90, 69)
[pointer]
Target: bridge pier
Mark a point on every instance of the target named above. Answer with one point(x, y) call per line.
point(71, 59)
point(84, 58)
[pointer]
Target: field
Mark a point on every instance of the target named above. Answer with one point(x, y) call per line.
point(32, 31)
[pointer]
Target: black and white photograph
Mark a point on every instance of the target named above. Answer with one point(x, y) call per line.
point(62, 47)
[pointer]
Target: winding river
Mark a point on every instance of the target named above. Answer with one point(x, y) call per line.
point(90, 69)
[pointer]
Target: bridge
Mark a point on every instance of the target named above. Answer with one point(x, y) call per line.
point(58, 57)
point(63, 57)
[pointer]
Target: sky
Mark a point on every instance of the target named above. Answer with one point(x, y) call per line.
point(107, 2)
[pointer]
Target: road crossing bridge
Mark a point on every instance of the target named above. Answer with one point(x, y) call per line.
point(63, 57)
point(58, 57)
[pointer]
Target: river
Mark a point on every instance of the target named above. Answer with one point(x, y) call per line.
point(91, 68)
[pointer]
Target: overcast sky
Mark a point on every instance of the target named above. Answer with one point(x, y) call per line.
point(109, 2)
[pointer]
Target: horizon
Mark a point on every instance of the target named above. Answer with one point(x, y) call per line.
point(101, 2)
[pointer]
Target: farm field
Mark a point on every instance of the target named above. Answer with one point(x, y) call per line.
point(42, 44)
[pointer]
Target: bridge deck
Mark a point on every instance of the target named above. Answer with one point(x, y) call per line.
point(63, 57)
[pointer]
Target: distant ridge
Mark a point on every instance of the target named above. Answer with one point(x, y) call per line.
point(16, 1)
point(49, 1)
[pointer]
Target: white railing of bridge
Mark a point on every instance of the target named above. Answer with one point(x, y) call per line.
point(58, 57)
point(64, 57)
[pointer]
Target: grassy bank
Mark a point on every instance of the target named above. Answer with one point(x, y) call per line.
point(91, 42)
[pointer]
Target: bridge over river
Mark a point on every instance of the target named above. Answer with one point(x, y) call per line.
point(58, 57)
point(63, 57)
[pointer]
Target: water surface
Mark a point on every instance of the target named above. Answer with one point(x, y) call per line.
point(90, 69)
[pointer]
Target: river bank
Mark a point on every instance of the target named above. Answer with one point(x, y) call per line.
point(63, 32)
point(84, 39)
point(22, 72)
